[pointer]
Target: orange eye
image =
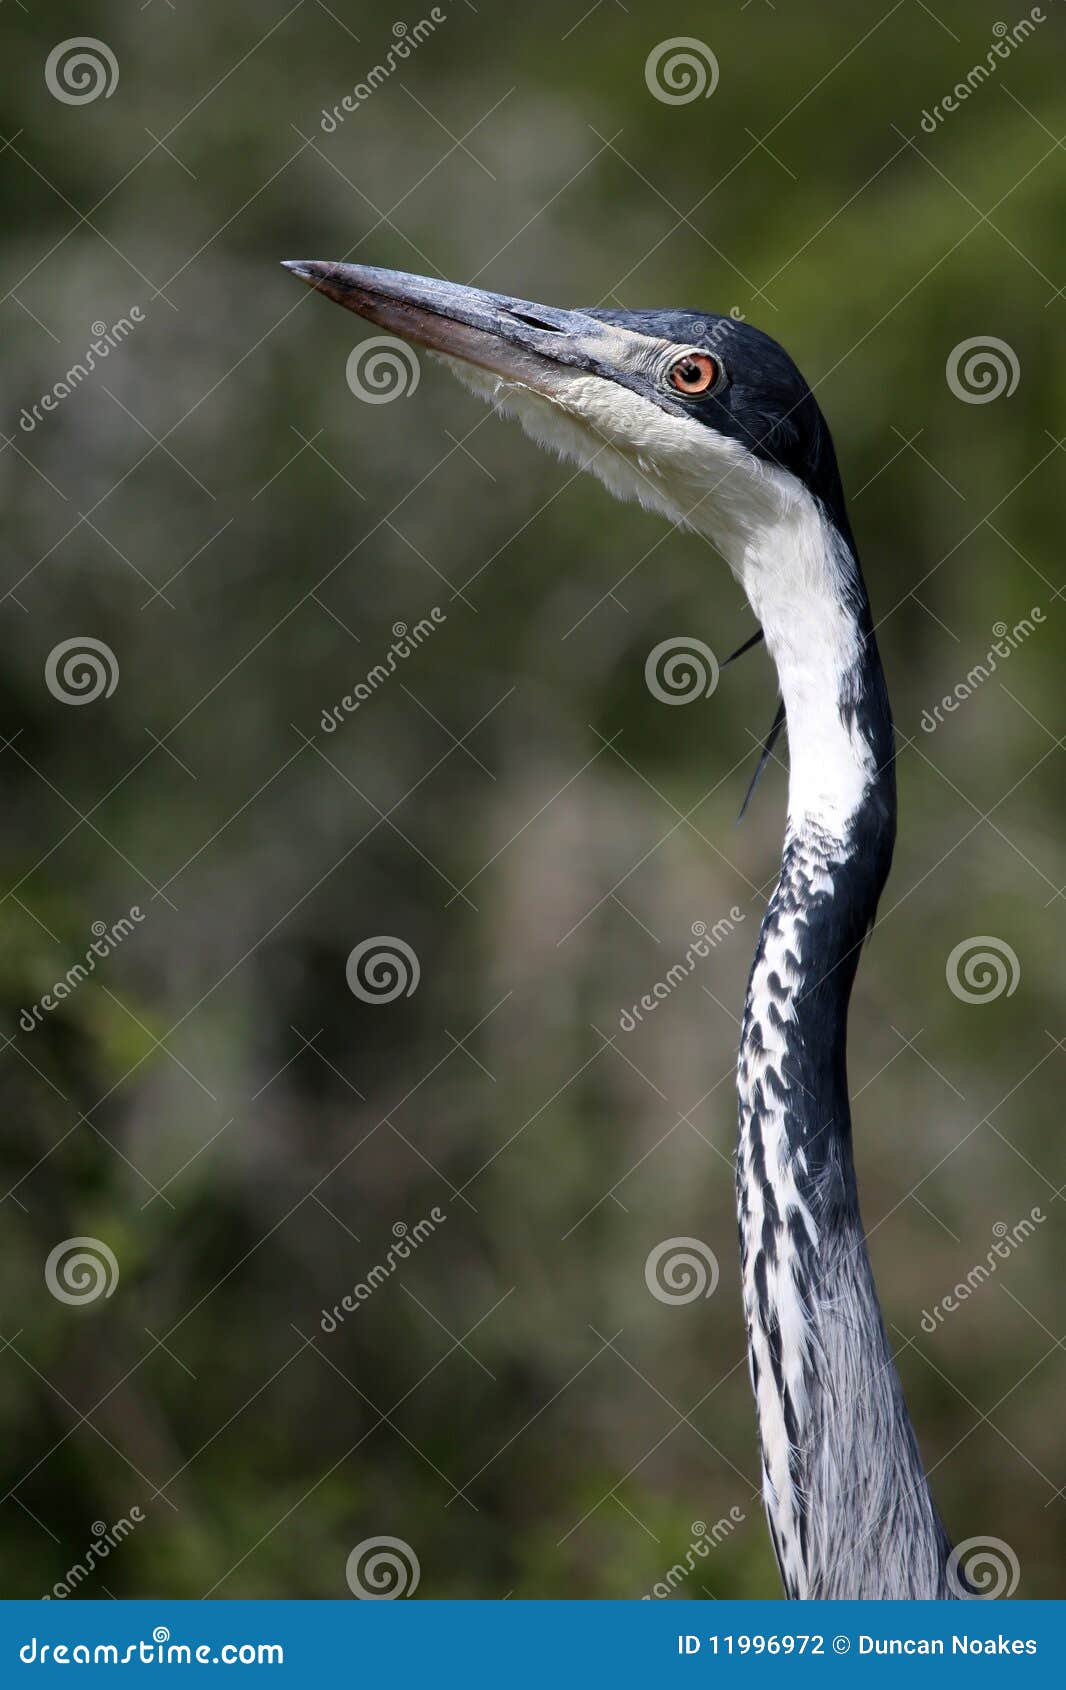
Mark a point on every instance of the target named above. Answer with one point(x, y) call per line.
point(694, 373)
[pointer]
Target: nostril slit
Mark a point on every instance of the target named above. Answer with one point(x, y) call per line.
point(531, 322)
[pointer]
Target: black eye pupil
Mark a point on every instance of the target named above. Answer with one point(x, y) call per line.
point(690, 372)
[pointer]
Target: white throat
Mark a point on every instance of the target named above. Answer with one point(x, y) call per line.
point(794, 574)
point(765, 524)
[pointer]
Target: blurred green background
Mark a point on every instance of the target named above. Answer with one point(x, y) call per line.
point(244, 1134)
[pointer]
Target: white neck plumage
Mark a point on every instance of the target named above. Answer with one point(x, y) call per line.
point(798, 573)
point(847, 1501)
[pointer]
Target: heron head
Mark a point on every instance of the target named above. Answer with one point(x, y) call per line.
point(701, 417)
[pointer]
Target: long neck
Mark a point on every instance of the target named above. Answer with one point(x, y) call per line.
point(846, 1497)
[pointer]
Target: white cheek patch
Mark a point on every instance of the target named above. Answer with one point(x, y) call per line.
point(671, 464)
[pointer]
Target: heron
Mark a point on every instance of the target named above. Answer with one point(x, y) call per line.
point(706, 420)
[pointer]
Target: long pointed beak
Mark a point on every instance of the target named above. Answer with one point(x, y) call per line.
point(516, 339)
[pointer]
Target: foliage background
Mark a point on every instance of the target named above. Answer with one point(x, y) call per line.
point(218, 1057)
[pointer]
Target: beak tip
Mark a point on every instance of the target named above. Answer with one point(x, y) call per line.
point(308, 269)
